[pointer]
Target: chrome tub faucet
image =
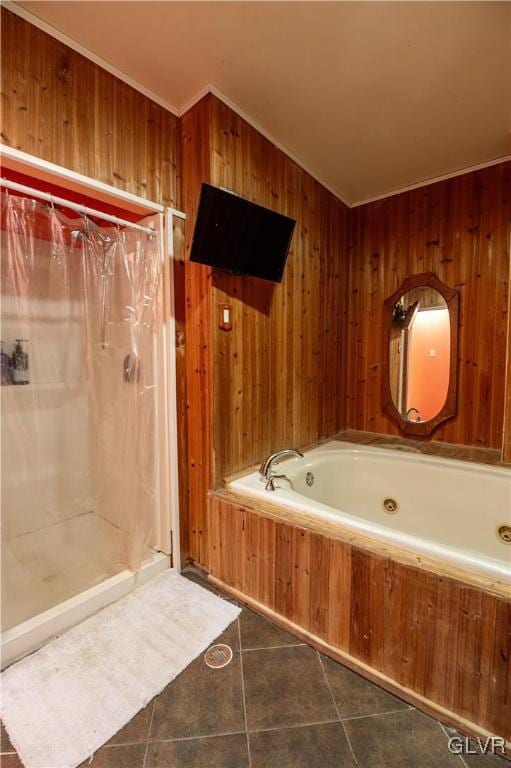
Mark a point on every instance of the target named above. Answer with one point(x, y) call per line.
point(266, 472)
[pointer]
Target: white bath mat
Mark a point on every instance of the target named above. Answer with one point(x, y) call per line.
point(63, 702)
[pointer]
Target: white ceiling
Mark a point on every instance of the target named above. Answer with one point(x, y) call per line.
point(371, 97)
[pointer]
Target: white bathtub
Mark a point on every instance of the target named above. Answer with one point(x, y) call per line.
point(449, 510)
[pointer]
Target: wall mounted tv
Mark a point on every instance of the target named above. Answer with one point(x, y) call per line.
point(239, 236)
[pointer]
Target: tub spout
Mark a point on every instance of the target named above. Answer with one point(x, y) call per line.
point(409, 413)
point(266, 468)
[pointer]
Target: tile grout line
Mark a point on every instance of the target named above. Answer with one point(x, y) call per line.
point(273, 647)
point(226, 733)
point(243, 694)
point(378, 714)
point(336, 708)
point(295, 725)
point(187, 738)
point(146, 753)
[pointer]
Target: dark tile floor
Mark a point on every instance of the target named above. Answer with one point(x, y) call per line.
point(278, 704)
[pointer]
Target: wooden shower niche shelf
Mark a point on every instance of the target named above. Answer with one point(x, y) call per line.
point(434, 635)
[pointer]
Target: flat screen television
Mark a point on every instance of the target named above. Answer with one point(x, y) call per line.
point(239, 236)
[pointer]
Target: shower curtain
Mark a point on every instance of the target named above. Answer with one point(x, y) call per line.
point(78, 439)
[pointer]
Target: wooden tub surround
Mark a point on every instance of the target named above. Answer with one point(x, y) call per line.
point(490, 456)
point(438, 637)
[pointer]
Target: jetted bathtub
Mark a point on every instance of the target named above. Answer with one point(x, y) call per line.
point(455, 511)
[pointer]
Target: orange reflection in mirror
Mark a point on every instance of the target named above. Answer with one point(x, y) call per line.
point(428, 362)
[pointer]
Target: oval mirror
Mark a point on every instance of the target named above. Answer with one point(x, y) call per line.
point(420, 344)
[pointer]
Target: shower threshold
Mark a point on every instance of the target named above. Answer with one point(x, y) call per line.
point(33, 633)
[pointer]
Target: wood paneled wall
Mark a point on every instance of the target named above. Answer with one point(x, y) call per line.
point(276, 378)
point(278, 375)
point(196, 418)
point(458, 229)
point(60, 106)
point(448, 642)
point(506, 441)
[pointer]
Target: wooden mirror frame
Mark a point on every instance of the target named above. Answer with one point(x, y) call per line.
point(451, 298)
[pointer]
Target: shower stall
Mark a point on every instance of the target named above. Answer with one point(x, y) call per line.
point(87, 399)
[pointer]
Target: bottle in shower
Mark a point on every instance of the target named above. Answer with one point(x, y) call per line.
point(6, 366)
point(20, 363)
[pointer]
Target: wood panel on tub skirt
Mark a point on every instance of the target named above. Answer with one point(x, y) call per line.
point(447, 641)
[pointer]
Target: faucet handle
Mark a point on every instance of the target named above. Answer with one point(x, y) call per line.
point(270, 483)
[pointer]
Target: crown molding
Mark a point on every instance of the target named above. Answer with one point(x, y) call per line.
point(190, 103)
point(71, 43)
point(433, 180)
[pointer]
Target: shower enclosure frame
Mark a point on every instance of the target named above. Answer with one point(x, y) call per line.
point(31, 634)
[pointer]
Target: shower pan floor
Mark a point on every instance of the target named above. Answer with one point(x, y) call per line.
point(43, 568)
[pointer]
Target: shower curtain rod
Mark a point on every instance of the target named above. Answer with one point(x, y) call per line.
point(83, 209)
